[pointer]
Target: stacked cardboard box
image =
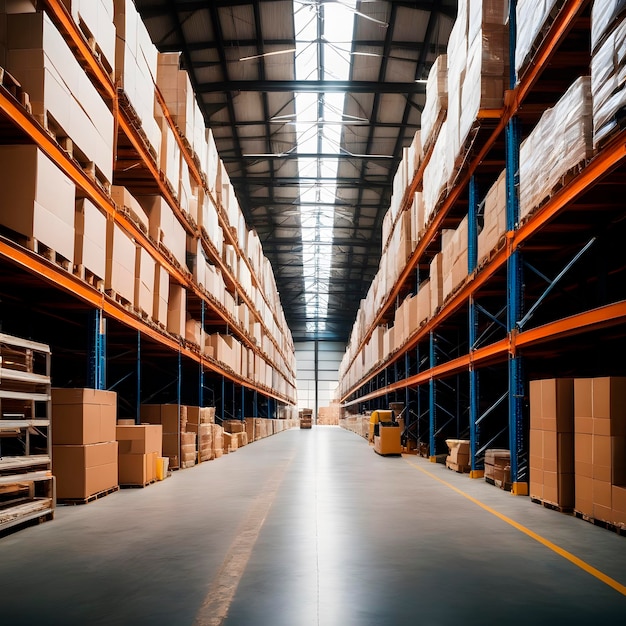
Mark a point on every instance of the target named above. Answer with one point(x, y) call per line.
point(234, 426)
point(454, 262)
point(608, 64)
point(498, 468)
point(600, 448)
point(551, 446)
point(494, 219)
point(458, 458)
point(306, 418)
point(218, 441)
point(90, 238)
point(140, 448)
point(120, 263)
point(250, 428)
point(61, 94)
point(436, 105)
point(28, 207)
point(84, 451)
point(200, 421)
point(561, 140)
point(329, 415)
point(477, 70)
point(176, 441)
point(136, 67)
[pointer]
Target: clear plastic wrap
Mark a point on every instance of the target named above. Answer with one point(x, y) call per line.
point(436, 175)
point(436, 100)
point(494, 218)
point(608, 78)
point(561, 140)
point(603, 16)
point(531, 17)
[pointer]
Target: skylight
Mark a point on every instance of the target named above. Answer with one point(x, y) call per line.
point(322, 30)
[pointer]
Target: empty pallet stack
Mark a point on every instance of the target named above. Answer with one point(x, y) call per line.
point(84, 446)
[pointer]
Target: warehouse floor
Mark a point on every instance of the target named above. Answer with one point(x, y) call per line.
point(310, 527)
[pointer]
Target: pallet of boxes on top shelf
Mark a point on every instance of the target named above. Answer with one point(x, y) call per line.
point(608, 63)
point(533, 20)
point(557, 148)
point(62, 96)
point(135, 69)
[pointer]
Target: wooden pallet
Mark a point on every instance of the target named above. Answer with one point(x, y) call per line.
point(619, 528)
point(123, 302)
point(551, 505)
point(455, 467)
point(91, 498)
point(139, 485)
point(89, 277)
point(48, 253)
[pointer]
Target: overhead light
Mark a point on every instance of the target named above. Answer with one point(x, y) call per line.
point(267, 54)
point(366, 156)
point(421, 80)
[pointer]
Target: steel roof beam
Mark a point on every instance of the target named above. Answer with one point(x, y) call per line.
point(312, 86)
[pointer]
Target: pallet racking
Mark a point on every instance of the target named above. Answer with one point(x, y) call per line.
point(99, 340)
point(549, 300)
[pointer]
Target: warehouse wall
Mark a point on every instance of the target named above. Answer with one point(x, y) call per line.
point(324, 382)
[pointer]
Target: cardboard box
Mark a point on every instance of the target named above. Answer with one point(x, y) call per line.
point(84, 470)
point(176, 309)
point(172, 417)
point(120, 262)
point(90, 237)
point(137, 469)
point(28, 207)
point(83, 416)
point(140, 439)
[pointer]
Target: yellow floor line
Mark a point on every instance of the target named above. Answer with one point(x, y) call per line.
point(542, 540)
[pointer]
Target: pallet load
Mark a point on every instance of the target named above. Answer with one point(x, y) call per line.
point(458, 458)
point(608, 37)
point(177, 442)
point(84, 447)
point(560, 142)
point(200, 421)
point(306, 418)
point(551, 448)
point(329, 415)
point(218, 441)
point(140, 448)
point(600, 449)
point(498, 468)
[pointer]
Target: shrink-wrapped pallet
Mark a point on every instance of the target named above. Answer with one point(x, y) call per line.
point(436, 175)
point(454, 258)
point(436, 105)
point(532, 15)
point(608, 83)
point(605, 14)
point(560, 142)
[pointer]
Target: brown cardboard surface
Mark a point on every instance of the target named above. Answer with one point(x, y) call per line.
point(136, 469)
point(602, 458)
point(584, 494)
point(601, 491)
point(583, 398)
point(83, 470)
point(140, 439)
point(618, 460)
point(618, 501)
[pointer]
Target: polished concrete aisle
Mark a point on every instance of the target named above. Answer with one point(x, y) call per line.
point(311, 528)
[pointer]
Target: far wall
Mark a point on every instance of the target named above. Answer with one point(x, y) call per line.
point(316, 390)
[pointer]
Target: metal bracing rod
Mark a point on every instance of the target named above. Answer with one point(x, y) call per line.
point(552, 284)
point(446, 411)
point(179, 391)
point(497, 403)
point(200, 366)
point(120, 381)
point(493, 318)
point(486, 446)
point(473, 386)
point(223, 397)
point(440, 429)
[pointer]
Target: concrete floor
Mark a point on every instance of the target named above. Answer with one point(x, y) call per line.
point(312, 528)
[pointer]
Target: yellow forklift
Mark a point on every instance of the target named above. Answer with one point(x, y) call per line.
point(385, 432)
